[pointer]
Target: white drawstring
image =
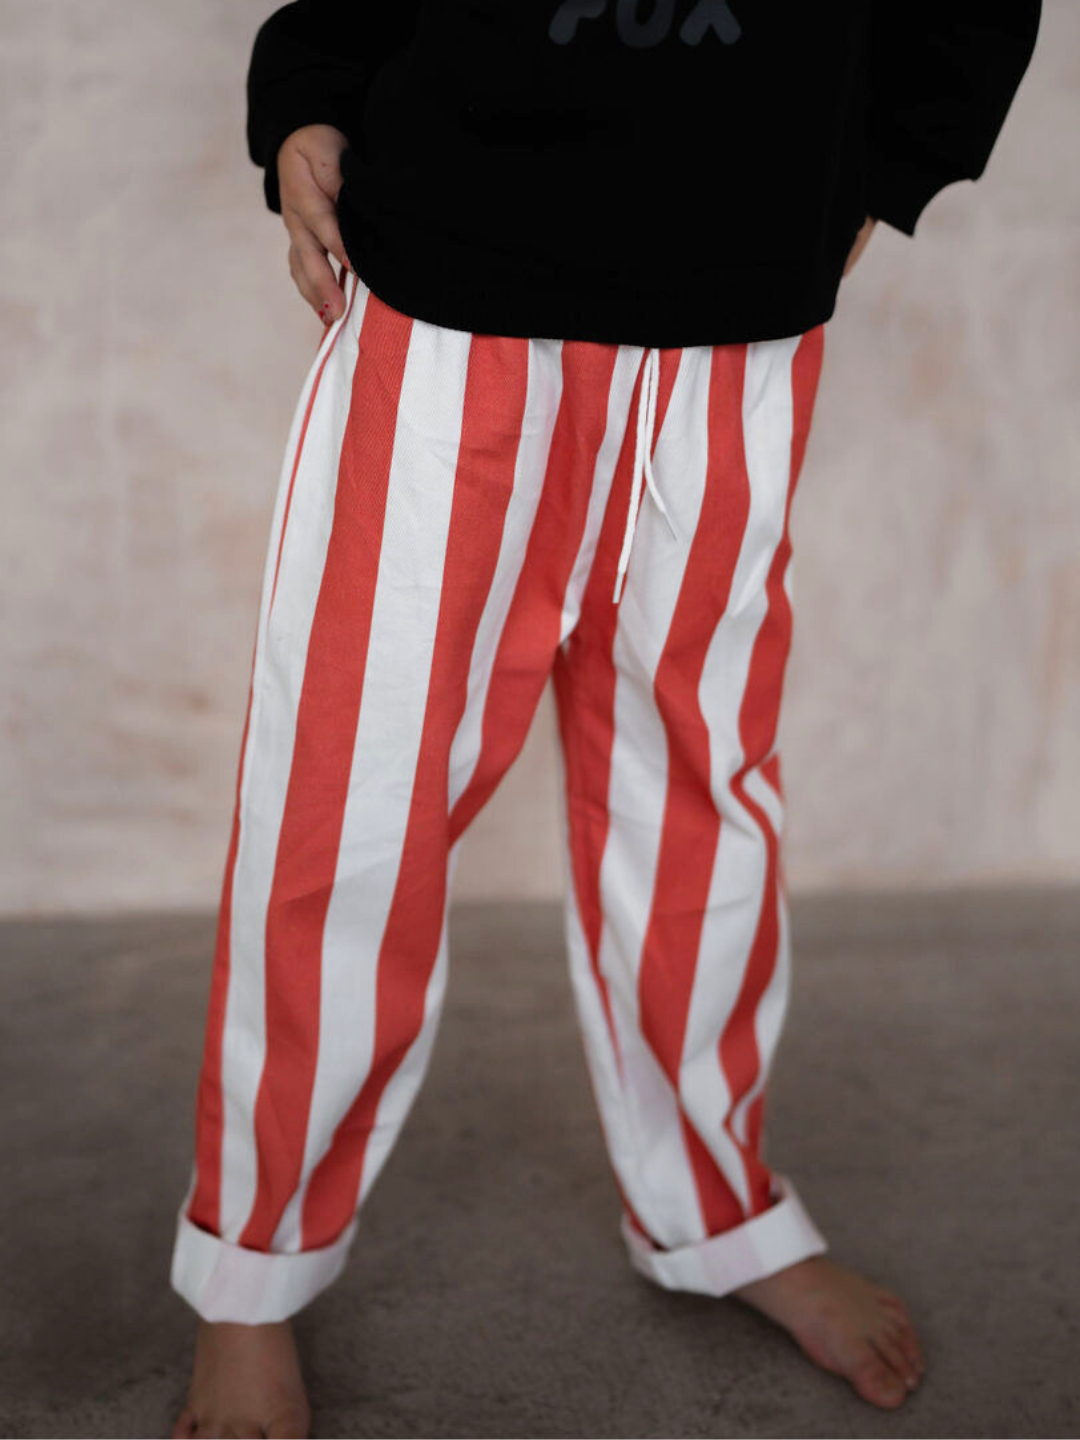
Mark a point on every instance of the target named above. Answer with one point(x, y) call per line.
point(646, 422)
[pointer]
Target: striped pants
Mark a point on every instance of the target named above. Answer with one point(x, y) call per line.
point(447, 535)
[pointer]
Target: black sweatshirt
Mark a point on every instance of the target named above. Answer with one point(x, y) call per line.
point(646, 172)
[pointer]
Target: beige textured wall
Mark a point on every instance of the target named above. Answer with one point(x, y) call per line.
point(152, 350)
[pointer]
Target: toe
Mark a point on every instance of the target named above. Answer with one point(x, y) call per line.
point(906, 1339)
point(185, 1424)
point(897, 1311)
point(289, 1425)
point(900, 1326)
point(894, 1304)
point(879, 1383)
point(888, 1346)
point(916, 1349)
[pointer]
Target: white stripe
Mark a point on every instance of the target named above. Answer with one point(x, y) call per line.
point(620, 395)
point(599, 1051)
point(661, 1188)
point(280, 659)
point(602, 1063)
point(397, 673)
point(736, 889)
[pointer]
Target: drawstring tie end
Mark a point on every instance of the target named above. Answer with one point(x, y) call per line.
point(643, 471)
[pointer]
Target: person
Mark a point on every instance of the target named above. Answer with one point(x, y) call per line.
point(585, 254)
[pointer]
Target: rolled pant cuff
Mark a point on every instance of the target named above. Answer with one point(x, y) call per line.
point(779, 1236)
point(222, 1281)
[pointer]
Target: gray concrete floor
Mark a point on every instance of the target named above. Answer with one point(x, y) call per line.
point(926, 1100)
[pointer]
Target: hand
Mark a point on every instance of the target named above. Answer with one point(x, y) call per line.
point(309, 178)
point(861, 241)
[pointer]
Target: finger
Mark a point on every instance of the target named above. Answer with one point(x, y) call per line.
point(314, 277)
point(309, 211)
point(314, 223)
point(328, 233)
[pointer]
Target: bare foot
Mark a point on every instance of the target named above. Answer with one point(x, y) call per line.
point(845, 1324)
point(247, 1382)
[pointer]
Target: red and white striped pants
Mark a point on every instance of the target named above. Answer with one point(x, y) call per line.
point(447, 532)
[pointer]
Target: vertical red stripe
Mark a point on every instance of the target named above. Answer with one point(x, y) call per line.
point(758, 722)
point(327, 718)
point(805, 374)
point(691, 822)
point(583, 681)
point(494, 409)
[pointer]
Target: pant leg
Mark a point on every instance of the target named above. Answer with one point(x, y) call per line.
point(676, 918)
point(433, 512)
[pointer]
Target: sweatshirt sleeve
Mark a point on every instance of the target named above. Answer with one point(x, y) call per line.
point(942, 77)
point(311, 64)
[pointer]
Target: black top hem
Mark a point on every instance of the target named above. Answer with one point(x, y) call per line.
point(469, 292)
